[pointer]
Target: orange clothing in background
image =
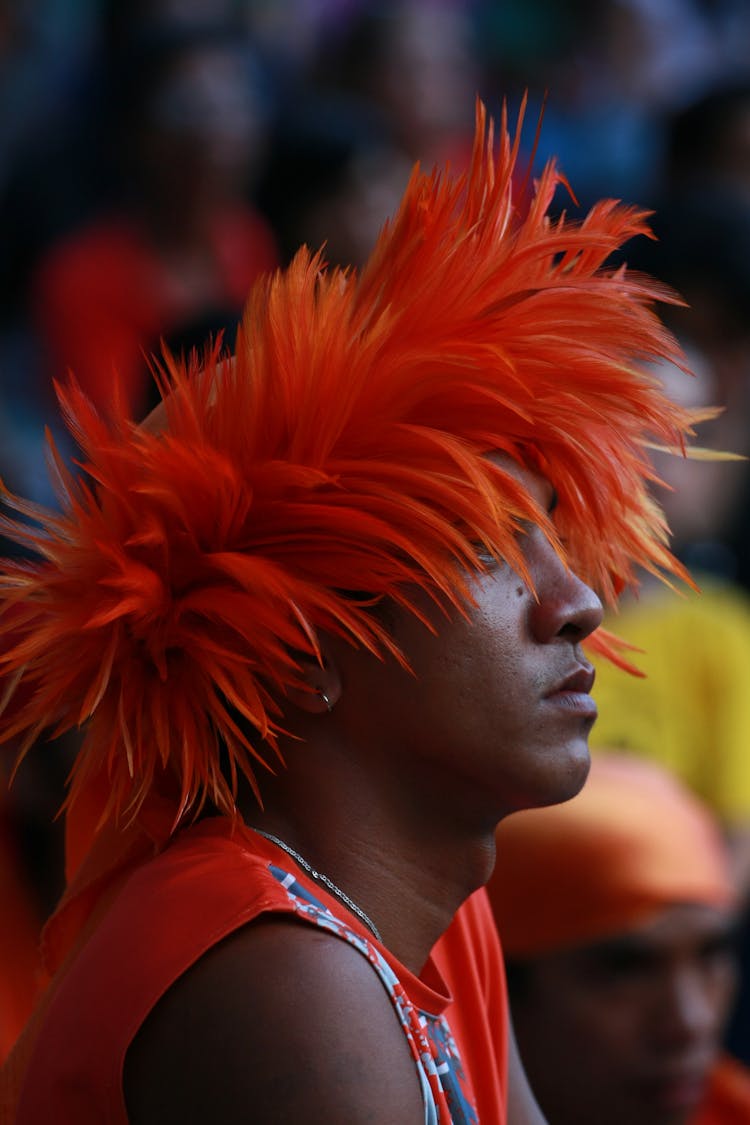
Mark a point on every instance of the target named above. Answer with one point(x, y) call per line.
point(102, 297)
point(728, 1098)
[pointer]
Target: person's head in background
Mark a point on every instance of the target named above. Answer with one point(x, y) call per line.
point(189, 122)
point(415, 63)
point(616, 913)
point(332, 177)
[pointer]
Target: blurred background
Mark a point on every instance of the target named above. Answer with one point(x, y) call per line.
point(156, 157)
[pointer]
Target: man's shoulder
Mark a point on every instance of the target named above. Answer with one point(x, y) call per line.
point(280, 1016)
point(166, 914)
point(208, 878)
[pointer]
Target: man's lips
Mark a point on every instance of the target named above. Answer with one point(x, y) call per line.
point(579, 681)
point(677, 1091)
point(574, 692)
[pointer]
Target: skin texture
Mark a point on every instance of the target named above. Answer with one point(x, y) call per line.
point(395, 794)
point(645, 1009)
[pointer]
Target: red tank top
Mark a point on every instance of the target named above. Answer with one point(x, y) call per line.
point(206, 884)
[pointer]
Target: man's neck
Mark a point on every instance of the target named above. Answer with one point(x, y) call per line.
point(406, 864)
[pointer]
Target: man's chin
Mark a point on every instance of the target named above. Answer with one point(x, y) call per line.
point(570, 777)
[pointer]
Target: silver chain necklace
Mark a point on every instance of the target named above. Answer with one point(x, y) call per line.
point(321, 878)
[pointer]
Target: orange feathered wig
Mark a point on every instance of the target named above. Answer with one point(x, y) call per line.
point(343, 450)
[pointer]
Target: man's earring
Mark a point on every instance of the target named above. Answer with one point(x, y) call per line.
point(326, 700)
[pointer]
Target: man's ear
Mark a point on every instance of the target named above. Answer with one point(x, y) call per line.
point(322, 688)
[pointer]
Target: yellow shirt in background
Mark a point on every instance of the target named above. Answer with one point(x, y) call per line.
point(692, 711)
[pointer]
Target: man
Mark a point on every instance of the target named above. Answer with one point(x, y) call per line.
point(617, 914)
point(323, 622)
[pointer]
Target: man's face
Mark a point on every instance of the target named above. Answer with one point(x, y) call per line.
point(626, 1030)
point(498, 711)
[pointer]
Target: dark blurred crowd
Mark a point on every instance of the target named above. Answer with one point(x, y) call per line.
point(157, 156)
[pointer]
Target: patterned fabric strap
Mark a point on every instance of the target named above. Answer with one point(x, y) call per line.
point(433, 1049)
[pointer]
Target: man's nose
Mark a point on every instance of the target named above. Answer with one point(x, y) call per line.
point(566, 606)
point(688, 1009)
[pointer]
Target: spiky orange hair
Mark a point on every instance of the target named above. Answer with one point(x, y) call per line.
point(343, 450)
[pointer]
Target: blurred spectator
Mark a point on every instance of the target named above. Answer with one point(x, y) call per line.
point(383, 85)
point(184, 245)
point(616, 915)
point(691, 712)
point(333, 177)
point(414, 63)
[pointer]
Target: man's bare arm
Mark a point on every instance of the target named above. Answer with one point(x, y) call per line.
point(279, 1023)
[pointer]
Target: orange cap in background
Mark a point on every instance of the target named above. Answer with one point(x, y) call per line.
point(633, 841)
